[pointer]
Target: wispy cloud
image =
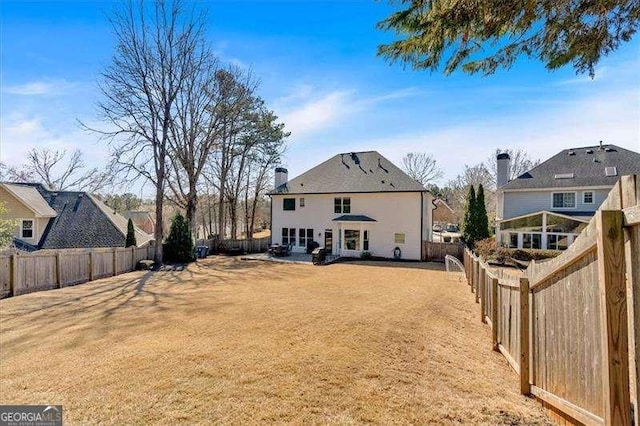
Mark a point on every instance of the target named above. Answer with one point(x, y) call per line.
point(305, 111)
point(39, 88)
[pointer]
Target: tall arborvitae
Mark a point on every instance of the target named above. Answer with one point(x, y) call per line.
point(481, 220)
point(179, 244)
point(468, 226)
point(131, 234)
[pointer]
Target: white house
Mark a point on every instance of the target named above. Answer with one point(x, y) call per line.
point(352, 203)
point(548, 206)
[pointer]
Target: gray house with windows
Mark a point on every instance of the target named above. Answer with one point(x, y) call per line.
point(352, 203)
point(548, 206)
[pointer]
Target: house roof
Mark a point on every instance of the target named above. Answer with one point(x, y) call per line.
point(580, 167)
point(82, 221)
point(354, 218)
point(31, 198)
point(138, 215)
point(121, 222)
point(351, 173)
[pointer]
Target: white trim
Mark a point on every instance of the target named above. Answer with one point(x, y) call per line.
point(576, 218)
point(575, 199)
point(559, 189)
point(593, 197)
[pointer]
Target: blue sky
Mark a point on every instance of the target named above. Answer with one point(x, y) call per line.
point(319, 71)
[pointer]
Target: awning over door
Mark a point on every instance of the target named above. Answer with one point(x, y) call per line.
point(354, 218)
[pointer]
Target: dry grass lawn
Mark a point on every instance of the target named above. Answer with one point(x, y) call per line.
point(231, 341)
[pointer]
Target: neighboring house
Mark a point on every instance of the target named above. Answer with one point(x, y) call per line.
point(548, 206)
point(352, 203)
point(142, 219)
point(63, 219)
point(443, 213)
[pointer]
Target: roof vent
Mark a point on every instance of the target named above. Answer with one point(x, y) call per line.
point(572, 153)
point(608, 149)
point(563, 176)
point(611, 171)
point(589, 151)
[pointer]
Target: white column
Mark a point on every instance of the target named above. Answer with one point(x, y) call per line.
point(543, 243)
point(519, 240)
point(361, 237)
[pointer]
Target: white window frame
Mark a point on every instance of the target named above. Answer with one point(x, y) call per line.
point(341, 204)
point(575, 197)
point(33, 229)
point(301, 201)
point(593, 197)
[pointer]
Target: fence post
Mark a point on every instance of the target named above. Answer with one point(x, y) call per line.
point(478, 279)
point(483, 299)
point(91, 277)
point(613, 315)
point(115, 261)
point(494, 313)
point(58, 270)
point(525, 387)
point(474, 269)
point(13, 281)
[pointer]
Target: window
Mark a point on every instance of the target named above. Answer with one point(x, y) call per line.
point(398, 238)
point(305, 236)
point(288, 236)
point(564, 200)
point(532, 241)
point(365, 241)
point(557, 242)
point(288, 204)
point(27, 229)
point(513, 240)
point(342, 205)
point(301, 202)
point(351, 239)
point(587, 197)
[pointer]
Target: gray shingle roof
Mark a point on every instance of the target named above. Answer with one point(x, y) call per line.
point(352, 172)
point(82, 222)
point(587, 168)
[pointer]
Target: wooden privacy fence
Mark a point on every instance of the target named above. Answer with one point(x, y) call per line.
point(253, 245)
point(570, 326)
point(437, 251)
point(48, 269)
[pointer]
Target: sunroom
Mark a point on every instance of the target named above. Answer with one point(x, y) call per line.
point(541, 230)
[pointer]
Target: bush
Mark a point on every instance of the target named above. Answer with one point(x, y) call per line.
point(486, 247)
point(366, 255)
point(526, 255)
point(179, 244)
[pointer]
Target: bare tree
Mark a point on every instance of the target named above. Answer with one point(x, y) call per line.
point(521, 163)
point(421, 167)
point(456, 190)
point(155, 49)
point(57, 171)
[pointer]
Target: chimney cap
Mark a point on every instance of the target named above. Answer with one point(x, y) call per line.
point(281, 170)
point(504, 156)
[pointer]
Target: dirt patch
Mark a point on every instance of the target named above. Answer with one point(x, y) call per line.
point(232, 341)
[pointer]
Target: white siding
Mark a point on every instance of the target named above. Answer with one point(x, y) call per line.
point(394, 213)
point(525, 202)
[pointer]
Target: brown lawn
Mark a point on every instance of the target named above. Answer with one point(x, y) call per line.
point(231, 341)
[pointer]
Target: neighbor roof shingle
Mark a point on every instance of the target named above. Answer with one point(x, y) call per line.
point(588, 168)
point(352, 172)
